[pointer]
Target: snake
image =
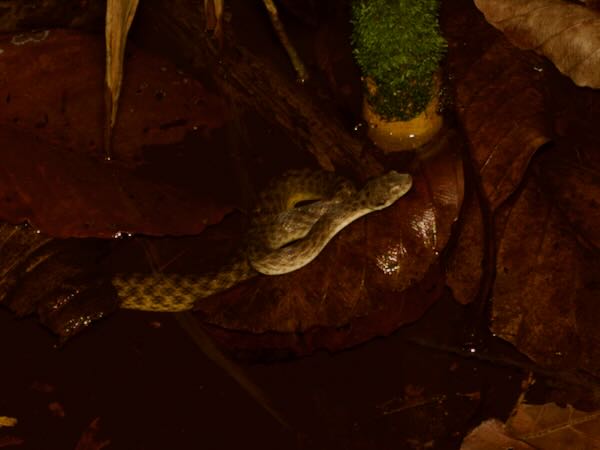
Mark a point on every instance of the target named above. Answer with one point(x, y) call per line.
point(294, 218)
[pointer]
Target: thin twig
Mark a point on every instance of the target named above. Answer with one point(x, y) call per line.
point(289, 48)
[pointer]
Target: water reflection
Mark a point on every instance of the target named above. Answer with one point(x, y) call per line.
point(425, 227)
point(389, 262)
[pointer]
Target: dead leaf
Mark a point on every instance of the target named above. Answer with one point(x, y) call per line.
point(571, 176)
point(119, 16)
point(543, 284)
point(57, 279)
point(72, 195)
point(566, 33)
point(504, 129)
point(491, 435)
point(89, 437)
point(464, 269)
point(551, 427)
point(58, 96)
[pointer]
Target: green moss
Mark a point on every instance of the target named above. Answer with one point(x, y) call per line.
point(398, 44)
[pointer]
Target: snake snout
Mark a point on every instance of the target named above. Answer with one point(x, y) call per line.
point(402, 184)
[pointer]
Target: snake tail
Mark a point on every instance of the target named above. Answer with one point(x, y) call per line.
point(171, 292)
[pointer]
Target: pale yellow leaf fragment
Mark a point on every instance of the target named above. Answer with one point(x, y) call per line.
point(6, 421)
point(119, 15)
point(213, 10)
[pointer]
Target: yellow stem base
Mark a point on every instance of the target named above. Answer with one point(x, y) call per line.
point(403, 135)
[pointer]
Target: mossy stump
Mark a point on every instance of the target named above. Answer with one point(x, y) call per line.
point(398, 47)
point(392, 135)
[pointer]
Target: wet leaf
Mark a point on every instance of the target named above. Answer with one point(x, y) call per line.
point(58, 95)
point(544, 293)
point(566, 33)
point(69, 194)
point(58, 279)
point(504, 129)
point(382, 268)
point(492, 435)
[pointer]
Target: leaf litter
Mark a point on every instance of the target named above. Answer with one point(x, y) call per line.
point(546, 266)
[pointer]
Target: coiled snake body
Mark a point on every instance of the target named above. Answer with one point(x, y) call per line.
point(285, 234)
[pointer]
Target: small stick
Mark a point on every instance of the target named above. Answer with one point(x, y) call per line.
point(289, 48)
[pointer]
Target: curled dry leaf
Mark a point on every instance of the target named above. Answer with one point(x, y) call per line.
point(67, 194)
point(544, 299)
point(58, 96)
point(566, 33)
point(501, 106)
point(381, 270)
point(119, 15)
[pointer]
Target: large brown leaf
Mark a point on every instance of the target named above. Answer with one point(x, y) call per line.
point(69, 194)
point(65, 192)
point(504, 129)
point(119, 16)
point(570, 174)
point(59, 95)
point(545, 299)
point(573, 180)
point(567, 33)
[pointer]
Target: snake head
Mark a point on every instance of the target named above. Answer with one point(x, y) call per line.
point(381, 192)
